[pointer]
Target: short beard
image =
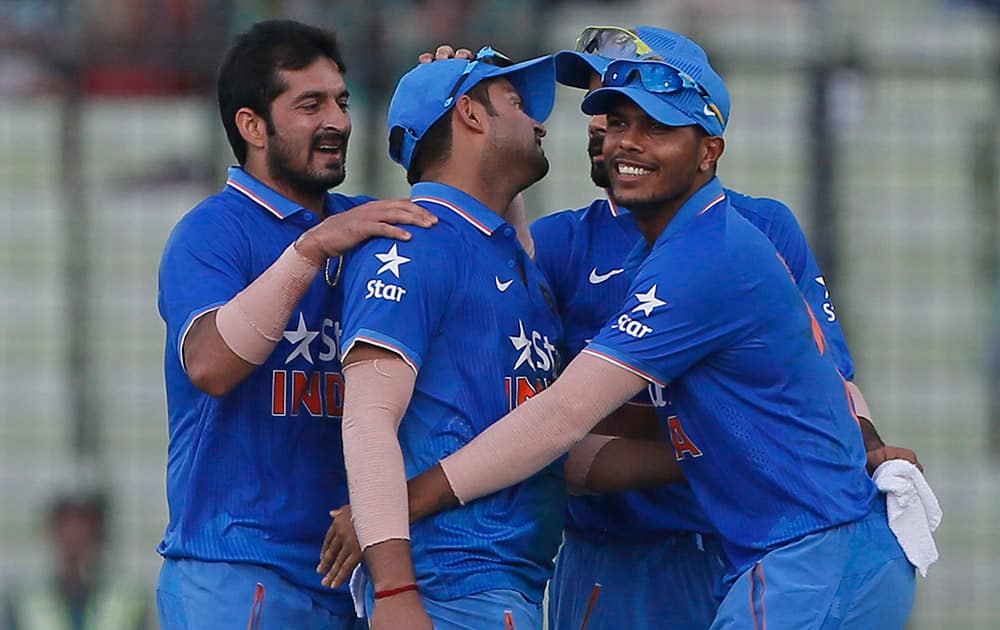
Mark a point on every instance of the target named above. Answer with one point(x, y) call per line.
point(641, 209)
point(598, 169)
point(279, 158)
point(599, 174)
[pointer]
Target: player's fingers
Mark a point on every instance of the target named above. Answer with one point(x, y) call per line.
point(342, 568)
point(463, 53)
point(898, 452)
point(327, 540)
point(444, 51)
point(425, 57)
point(387, 230)
point(329, 562)
point(405, 211)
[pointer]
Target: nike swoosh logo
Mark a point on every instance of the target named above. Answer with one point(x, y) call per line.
point(502, 286)
point(598, 278)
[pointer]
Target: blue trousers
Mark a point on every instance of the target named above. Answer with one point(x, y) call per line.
point(669, 583)
point(480, 611)
point(195, 595)
point(854, 576)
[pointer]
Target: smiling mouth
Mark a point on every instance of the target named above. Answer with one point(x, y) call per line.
point(631, 170)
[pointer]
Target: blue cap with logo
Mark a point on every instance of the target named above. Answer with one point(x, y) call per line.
point(698, 90)
point(429, 91)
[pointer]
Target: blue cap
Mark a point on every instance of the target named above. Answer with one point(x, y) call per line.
point(574, 69)
point(677, 51)
point(677, 109)
point(421, 95)
point(680, 52)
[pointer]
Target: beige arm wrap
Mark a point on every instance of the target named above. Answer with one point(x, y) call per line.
point(252, 323)
point(376, 394)
point(581, 458)
point(860, 404)
point(543, 428)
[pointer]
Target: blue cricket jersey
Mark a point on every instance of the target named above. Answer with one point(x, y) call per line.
point(453, 304)
point(252, 475)
point(582, 254)
point(761, 420)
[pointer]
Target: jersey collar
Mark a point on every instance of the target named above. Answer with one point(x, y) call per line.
point(261, 194)
point(707, 197)
point(461, 203)
point(616, 210)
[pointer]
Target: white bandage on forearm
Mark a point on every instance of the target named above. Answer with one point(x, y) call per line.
point(376, 394)
point(858, 399)
point(253, 322)
point(543, 428)
point(581, 458)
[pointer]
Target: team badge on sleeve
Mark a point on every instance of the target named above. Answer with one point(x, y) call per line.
point(633, 327)
point(391, 262)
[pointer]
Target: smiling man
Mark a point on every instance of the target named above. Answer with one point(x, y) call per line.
point(254, 386)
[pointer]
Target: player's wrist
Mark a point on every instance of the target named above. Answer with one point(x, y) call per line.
point(309, 248)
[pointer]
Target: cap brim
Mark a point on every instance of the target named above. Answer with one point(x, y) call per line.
point(574, 69)
point(534, 80)
point(599, 101)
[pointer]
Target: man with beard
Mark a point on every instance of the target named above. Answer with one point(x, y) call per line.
point(247, 289)
point(761, 423)
point(444, 334)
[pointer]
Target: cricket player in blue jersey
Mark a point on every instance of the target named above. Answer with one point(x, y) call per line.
point(761, 421)
point(659, 534)
point(253, 376)
point(443, 335)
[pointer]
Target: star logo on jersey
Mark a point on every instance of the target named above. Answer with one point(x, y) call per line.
point(302, 339)
point(648, 301)
point(821, 281)
point(598, 278)
point(522, 343)
point(391, 260)
point(502, 286)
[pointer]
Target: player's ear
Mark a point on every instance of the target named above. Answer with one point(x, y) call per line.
point(468, 113)
point(712, 148)
point(252, 127)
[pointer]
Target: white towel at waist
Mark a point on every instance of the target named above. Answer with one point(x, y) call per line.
point(913, 510)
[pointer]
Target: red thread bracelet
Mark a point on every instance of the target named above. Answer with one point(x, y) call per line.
point(395, 591)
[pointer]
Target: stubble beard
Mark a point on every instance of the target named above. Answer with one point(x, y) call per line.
point(280, 157)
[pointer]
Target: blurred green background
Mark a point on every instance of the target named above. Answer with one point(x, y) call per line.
point(876, 122)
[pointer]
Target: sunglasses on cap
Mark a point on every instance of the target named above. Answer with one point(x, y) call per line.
point(656, 77)
point(613, 42)
point(486, 55)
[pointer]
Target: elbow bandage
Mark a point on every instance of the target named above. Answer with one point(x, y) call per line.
point(252, 323)
point(376, 394)
point(543, 428)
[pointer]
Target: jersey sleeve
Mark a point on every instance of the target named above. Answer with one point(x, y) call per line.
point(395, 293)
point(204, 264)
point(669, 320)
point(790, 241)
